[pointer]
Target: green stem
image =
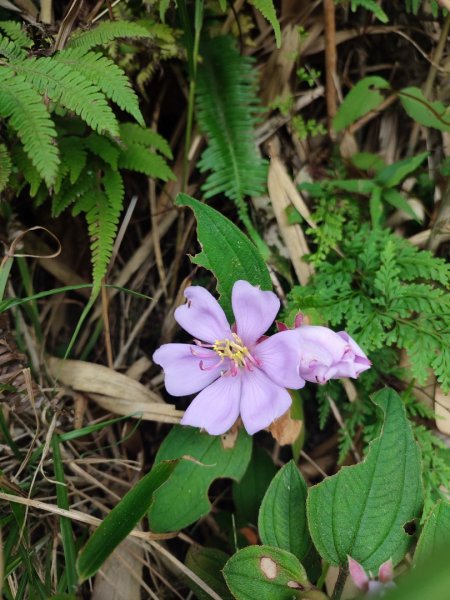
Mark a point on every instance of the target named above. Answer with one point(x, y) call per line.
point(340, 583)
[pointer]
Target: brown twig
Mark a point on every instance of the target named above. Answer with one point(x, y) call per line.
point(330, 61)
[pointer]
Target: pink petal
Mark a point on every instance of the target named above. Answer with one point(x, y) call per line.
point(360, 361)
point(182, 372)
point(254, 311)
point(216, 408)
point(386, 571)
point(357, 573)
point(202, 316)
point(262, 401)
point(278, 357)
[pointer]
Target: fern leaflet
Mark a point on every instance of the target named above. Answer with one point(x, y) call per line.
point(28, 115)
point(15, 32)
point(149, 163)
point(5, 167)
point(133, 134)
point(107, 32)
point(10, 49)
point(267, 9)
point(102, 72)
point(71, 89)
point(227, 107)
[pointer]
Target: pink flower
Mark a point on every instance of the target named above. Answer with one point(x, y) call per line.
point(326, 355)
point(235, 369)
point(367, 583)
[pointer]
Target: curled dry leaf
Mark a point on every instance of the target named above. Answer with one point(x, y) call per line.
point(113, 391)
point(286, 430)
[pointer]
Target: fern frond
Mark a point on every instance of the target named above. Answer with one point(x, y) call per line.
point(5, 167)
point(73, 154)
point(227, 107)
point(107, 32)
point(104, 73)
point(103, 148)
point(267, 9)
point(16, 33)
point(70, 194)
point(138, 158)
point(133, 134)
point(27, 114)
point(68, 87)
point(26, 168)
point(372, 6)
point(10, 49)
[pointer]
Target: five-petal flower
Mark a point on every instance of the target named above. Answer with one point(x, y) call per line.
point(236, 370)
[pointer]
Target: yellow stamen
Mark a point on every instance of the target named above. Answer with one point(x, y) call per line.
point(232, 349)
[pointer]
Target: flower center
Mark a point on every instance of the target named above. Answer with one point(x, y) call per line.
point(234, 350)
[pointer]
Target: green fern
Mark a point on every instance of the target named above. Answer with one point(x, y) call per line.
point(73, 155)
point(227, 109)
point(103, 148)
point(133, 134)
point(16, 33)
point(106, 32)
point(267, 9)
point(68, 87)
point(27, 115)
point(5, 167)
point(376, 297)
point(10, 49)
point(101, 71)
point(370, 5)
point(135, 158)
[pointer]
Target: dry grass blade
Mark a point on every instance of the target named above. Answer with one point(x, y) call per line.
point(283, 194)
point(113, 391)
point(120, 577)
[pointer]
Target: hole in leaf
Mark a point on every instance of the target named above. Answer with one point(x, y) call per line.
point(268, 567)
point(410, 528)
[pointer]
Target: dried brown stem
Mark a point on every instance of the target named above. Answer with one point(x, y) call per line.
point(330, 61)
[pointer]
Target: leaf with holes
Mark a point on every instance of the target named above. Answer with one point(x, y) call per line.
point(362, 510)
point(264, 572)
point(184, 497)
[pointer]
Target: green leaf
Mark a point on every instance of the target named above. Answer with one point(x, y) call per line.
point(394, 174)
point(396, 199)
point(121, 520)
point(208, 563)
point(430, 114)
point(186, 492)
point(5, 167)
point(131, 133)
point(226, 251)
point(367, 161)
point(138, 158)
point(282, 517)
point(354, 186)
point(361, 511)
point(227, 107)
point(16, 32)
point(267, 9)
point(249, 491)
point(263, 572)
point(435, 536)
point(104, 73)
point(27, 115)
point(106, 32)
point(361, 99)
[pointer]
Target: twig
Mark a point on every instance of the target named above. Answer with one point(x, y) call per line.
point(330, 61)
point(46, 15)
point(340, 583)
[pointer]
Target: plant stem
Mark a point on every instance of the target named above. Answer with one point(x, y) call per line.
point(340, 583)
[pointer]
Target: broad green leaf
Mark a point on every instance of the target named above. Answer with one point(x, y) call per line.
point(249, 491)
point(226, 251)
point(267, 9)
point(430, 114)
point(186, 491)
point(208, 563)
point(435, 535)
point(355, 186)
point(362, 98)
point(121, 520)
point(362, 510)
point(393, 174)
point(429, 581)
point(282, 517)
point(367, 161)
point(398, 201)
point(263, 572)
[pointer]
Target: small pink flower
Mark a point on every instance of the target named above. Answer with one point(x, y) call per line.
point(326, 355)
point(367, 583)
point(236, 370)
